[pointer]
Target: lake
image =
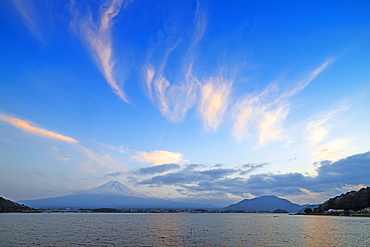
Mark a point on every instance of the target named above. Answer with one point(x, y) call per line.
point(181, 229)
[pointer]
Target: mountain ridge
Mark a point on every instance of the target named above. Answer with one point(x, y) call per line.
point(265, 203)
point(109, 195)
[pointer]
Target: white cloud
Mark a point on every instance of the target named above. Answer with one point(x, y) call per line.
point(98, 37)
point(173, 100)
point(176, 97)
point(243, 117)
point(306, 81)
point(270, 127)
point(264, 113)
point(320, 126)
point(333, 150)
point(159, 157)
point(214, 100)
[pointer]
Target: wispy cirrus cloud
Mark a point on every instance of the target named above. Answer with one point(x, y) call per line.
point(249, 112)
point(30, 128)
point(173, 100)
point(332, 150)
point(265, 112)
point(97, 34)
point(271, 125)
point(29, 15)
point(300, 85)
point(175, 97)
point(214, 100)
point(99, 162)
point(90, 160)
point(159, 157)
point(261, 115)
point(318, 128)
point(98, 37)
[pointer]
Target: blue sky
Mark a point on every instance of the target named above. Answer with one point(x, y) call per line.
point(199, 101)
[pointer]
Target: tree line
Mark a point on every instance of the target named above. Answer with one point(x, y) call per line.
point(9, 206)
point(353, 200)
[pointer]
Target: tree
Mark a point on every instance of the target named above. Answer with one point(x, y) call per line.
point(308, 211)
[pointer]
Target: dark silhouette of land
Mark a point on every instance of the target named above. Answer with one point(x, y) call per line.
point(350, 201)
point(7, 206)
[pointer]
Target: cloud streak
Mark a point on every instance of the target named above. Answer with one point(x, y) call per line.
point(98, 37)
point(306, 81)
point(28, 127)
point(27, 11)
point(99, 163)
point(265, 113)
point(88, 159)
point(319, 128)
point(156, 169)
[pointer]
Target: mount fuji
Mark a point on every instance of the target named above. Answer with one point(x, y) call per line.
point(110, 195)
point(113, 188)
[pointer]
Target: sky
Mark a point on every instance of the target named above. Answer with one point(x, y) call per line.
point(197, 101)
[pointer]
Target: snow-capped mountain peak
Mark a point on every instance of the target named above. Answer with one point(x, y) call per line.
point(114, 188)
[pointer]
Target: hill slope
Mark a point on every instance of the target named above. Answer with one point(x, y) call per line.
point(10, 206)
point(354, 200)
point(265, 203)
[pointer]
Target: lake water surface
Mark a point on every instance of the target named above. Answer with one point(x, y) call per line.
point(181, 229)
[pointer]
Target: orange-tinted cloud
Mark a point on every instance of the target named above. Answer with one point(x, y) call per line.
point(26, 126)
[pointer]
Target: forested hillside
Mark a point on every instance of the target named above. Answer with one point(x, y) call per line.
point(9, 206)
point(354, 200)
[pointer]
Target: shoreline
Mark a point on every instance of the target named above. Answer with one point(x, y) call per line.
point(353, 215)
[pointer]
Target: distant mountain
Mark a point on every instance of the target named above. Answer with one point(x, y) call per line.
point(10, 206)
point(354, 200)
point(110, 195)
point(113, 188)
point(265, 203)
